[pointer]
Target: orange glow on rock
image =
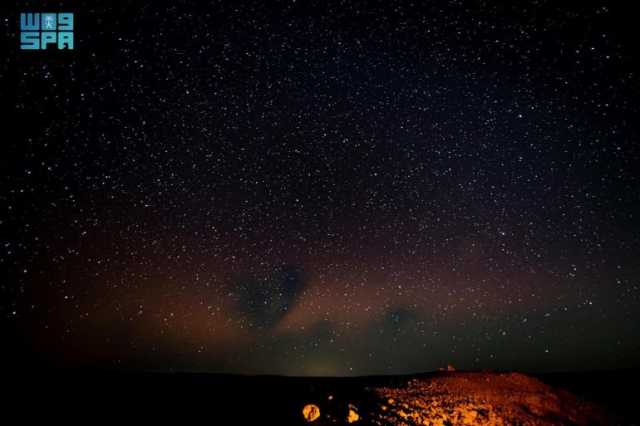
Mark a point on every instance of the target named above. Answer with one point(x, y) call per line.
point(353, 414)
point(311, 412)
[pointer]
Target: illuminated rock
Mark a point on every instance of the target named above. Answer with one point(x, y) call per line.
point(353, 415)
point(311, 412)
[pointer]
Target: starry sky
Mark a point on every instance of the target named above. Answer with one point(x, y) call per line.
point(323, 188)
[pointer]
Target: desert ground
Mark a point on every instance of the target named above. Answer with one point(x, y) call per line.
point(438, 398)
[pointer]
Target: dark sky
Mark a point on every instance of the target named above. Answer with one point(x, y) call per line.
point(323, 188)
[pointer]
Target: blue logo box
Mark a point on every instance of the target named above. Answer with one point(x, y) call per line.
point(40, 30)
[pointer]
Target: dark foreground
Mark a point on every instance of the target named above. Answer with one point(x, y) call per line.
point(442, 398)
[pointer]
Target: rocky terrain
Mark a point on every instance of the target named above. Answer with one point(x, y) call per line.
point(444, 398)
point(482, 399)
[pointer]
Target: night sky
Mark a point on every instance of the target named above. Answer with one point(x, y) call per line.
point(322, 188)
